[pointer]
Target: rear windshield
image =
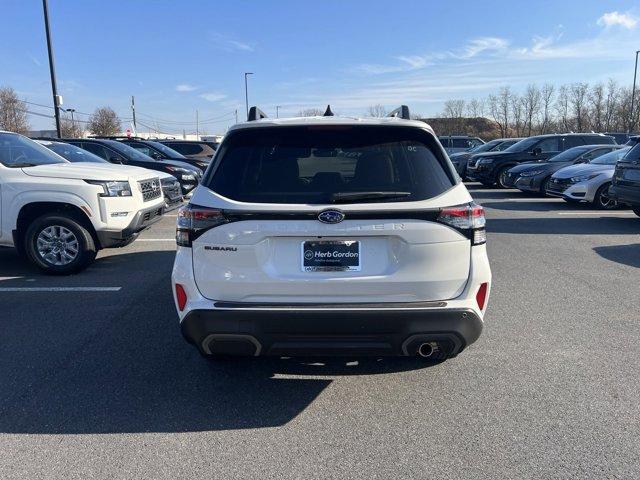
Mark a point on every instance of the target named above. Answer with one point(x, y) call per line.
point(329, 164)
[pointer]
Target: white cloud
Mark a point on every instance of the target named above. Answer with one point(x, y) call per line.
point(612, 19)
point(213, 96)
point(481, 45)
point(414, 61)
point(230, 44)
point(185, 87)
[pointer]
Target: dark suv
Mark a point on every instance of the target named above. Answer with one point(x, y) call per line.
point(459, 143)
point(160, 151)
point(460, 159)
point(194, 149)
point(491, 168)
point(117, 152)
point(625, 185)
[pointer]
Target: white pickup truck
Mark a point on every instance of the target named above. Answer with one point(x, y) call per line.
point(59, 214)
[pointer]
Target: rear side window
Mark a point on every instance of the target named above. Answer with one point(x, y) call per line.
point(549, 145)
point(329, 164)
point(186, 148)
point(573, 141)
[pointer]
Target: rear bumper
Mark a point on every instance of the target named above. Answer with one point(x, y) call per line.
point(121, 238)
point(373, 329)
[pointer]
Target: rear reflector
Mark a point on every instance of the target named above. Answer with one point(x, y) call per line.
point(181, 296)
point(481, 296)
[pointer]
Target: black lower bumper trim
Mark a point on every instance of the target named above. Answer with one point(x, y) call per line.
point(121, 238)
point(293, 331)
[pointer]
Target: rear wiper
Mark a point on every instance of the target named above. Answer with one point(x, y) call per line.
point(343, 197)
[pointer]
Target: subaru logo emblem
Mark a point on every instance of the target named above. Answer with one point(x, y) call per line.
point(331, 216)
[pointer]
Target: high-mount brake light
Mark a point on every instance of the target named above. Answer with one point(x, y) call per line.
point(468, 219)
point(193, 220)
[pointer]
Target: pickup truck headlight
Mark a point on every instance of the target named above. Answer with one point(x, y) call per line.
point(113, 188)
point(583, 178)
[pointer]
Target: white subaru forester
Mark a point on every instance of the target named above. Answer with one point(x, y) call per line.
point(331, 236)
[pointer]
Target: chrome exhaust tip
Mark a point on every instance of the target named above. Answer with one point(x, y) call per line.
point(425, 350)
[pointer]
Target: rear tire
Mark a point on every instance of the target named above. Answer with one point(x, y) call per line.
point(602, 199)
point(59, 245)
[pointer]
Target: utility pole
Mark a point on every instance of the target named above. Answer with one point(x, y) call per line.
point(52, 70)
point(236, 115)
point(246, 91)
point(277, 111)
point(133, 114)
point(633, 94)
point(197, 129)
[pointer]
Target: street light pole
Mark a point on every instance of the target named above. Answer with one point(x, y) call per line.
point(52, 69)
point(246, 91)
point(633, 93)
point(277, 111)
point(71, 111)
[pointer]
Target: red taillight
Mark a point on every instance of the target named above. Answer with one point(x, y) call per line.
point(181, 296)
point(467, 219)
point(481, 296)
point(192, 220)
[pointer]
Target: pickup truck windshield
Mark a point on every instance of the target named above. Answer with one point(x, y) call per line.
point(17, 151)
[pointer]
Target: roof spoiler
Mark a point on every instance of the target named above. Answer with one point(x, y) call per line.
point(255, 114)
point(401, 112)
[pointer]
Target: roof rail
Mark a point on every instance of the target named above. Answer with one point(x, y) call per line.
point(401, 112)
point(116, 137)
point(328, 112)
point(255, 114)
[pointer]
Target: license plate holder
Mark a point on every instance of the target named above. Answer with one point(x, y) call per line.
point(330, 256)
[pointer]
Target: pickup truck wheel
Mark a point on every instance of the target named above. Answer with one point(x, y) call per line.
point(59, 244)
point(603, 200)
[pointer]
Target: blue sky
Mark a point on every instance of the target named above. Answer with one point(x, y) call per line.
point(179, 56)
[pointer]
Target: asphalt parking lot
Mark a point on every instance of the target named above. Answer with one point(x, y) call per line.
point(97, 381)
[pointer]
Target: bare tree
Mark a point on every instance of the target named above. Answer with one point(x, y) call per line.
point(69, 128)
point(562, 109)
point(453, 111)
point(518, 114)
point(610, 104)
point(475, 108)
point(311, 112)
point(546, 94)
point(494, 111)
point(597, 107)
point(104, 121)
point(13, 112)
point(377, 111)
point(578, 94)
point(531, 103)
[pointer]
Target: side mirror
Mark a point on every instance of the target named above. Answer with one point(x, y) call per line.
point(116, 159)
point(582, 160)
point(536, 151)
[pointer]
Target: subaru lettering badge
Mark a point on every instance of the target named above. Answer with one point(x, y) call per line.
point(331, 216)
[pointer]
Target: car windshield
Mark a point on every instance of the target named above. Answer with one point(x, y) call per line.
point(485, 147)
point(169, 152)
point(523, 145)
point(17, 151)
point(128, 151)
point(610, 158)
point(73, 153)
point(329, 164)
point(569, 155)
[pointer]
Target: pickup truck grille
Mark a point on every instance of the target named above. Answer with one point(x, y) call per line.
point(150, 189)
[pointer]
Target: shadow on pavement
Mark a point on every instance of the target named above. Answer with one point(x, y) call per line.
point(566, 226)
point(624, 254)
point(75, 363)
point(541, 204)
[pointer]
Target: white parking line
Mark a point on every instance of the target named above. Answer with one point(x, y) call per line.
point(168, 215)
point(156, 239)
point(60, 289)
point(595, 213)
